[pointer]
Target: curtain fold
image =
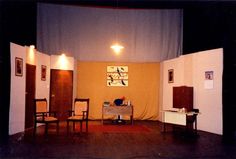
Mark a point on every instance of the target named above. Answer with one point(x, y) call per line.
point(87, 33)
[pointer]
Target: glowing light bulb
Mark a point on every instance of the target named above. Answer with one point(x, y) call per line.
point(32, 46)
point(117, 48)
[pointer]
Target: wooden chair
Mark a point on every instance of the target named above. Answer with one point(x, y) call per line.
point(42, 115)
point(79, 114)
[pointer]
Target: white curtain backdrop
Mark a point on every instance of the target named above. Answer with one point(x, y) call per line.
point(87, 33)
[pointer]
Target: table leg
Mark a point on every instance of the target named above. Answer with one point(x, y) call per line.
point(164, 127)
point(131, 119)
point(196, 126)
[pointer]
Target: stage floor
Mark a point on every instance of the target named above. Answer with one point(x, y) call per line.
point(148, 143)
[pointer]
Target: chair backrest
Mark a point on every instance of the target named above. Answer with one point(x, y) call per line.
point(81, 105)
point(40, 105)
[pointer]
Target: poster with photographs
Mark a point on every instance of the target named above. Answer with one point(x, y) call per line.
point(209, 75)
point(208, 82)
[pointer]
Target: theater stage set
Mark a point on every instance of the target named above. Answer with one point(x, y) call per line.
point(150, 95)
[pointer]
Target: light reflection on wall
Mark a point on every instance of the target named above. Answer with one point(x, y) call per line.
point(31, 55)
point(63, 62)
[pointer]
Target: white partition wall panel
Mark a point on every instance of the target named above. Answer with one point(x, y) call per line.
point(42, 86)
point(190, 70)
point(18, 83)
point(17, 98)
point(177, 65)
point(209, 101)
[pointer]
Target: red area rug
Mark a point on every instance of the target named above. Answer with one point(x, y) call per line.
point(118, 128)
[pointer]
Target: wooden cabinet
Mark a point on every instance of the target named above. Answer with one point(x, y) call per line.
point(183, 97)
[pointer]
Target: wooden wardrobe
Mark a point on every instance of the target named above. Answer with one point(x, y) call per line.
point(183, 97)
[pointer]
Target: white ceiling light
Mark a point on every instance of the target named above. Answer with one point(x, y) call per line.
point(117, 48)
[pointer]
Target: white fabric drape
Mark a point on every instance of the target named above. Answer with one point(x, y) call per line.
point(88, 32)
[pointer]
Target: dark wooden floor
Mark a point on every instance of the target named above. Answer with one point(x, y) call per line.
point(152, 144)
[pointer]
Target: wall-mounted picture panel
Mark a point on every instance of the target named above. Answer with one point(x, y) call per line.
point(170, 75)
point(117, 75)
point(208, 82)
point(18, 66)
point(43, 72)
point(208, 75)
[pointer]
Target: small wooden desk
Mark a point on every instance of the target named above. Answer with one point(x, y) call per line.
point(178, 118)
point(117, 110)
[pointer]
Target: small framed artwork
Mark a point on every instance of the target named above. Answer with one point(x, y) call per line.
point(18, 66)
point(208, 75)
point(43, 72)
point(117, 76)
point(170, 76)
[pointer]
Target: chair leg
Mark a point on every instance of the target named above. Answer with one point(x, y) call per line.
point(57, 127)
point(164, 127)
point(81, 126)
point(46, 128)
point(195, 126)
point(131, 119)
point(73, 126)
point(86, 125)
point(35, 126)
point(67, 127)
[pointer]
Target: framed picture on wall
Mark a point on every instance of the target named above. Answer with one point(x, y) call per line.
point(117, 76)
point(170, 76)
point(43, 72)
point(18, 66)
point(208, 75)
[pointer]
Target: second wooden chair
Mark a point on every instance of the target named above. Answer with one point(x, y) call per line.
point(79, 114)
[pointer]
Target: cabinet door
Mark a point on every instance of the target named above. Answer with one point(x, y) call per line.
point(177, 97)
point(183, 97)
point(187, 101)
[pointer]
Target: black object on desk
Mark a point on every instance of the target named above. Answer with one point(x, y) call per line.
point(119, 102)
